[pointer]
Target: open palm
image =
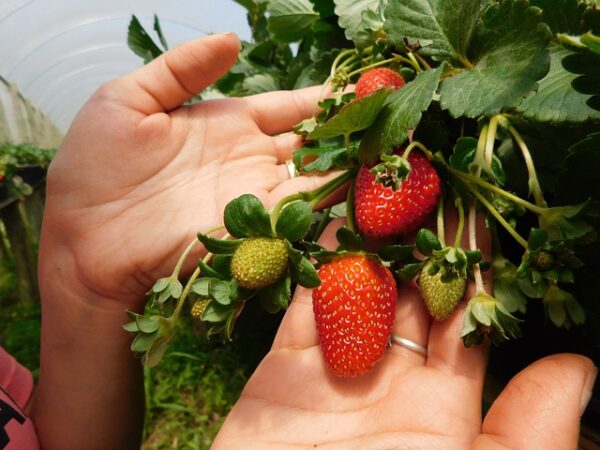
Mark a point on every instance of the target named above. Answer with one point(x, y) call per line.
point(408, 401)
point(127, 202)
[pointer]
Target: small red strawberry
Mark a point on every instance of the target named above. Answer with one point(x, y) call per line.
point(354, 308)
point(376, 79)
point(381, 212)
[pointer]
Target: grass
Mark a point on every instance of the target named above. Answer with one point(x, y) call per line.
point(191, 391)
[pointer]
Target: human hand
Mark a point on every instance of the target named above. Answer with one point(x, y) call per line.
point(139, 175)
point(407, 400)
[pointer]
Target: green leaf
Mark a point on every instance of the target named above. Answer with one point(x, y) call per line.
point(220, 290)
point(556, 100)
point(402, 112)
point(323, 158)
point(305, 274)
point(294, 221)
point(290, 20)
point(463, 158)
point(509, 55)
point(247, 217)
point(160, 34)
point(350, 17)
point(427, 242)
point(220, 246)
point(140, 42)
point(259, 83)
point(355, 116)
point(444, 28)
point(562, 16)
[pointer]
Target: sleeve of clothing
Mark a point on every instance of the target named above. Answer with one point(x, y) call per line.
point(16, 385)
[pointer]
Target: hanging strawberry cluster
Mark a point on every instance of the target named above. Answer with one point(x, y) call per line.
point(489, 109)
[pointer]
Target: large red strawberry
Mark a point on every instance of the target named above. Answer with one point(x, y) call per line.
point(354, 309)
point(380, 211)
point(376, 79)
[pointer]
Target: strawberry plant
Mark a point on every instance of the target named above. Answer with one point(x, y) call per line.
point(476, 107)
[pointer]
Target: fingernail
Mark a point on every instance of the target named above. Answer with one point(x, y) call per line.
point(588, 387)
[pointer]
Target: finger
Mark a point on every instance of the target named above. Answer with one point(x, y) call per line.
point(298, 329)
point(541, 406)
point(177, 75)
point(277, 112)
point(412, 323)
point(446, 350)
point(285, 144)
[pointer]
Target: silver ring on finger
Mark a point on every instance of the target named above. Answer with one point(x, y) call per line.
point(410, 345)
point(291, 168)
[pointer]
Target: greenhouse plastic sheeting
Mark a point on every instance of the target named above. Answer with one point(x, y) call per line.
point(58, 52)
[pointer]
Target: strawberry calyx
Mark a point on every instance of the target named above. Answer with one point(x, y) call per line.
point(392, 171)
point(485, 317)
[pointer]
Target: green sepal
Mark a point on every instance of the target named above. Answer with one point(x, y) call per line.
point(215, 312)
point(409, 271)
point(402, 253)
point(220, 291)
point(208, 271)
point(427, 242)
point(294, 221)
point(506, 287)
point(219, 246)
point(537, 238)
point(246, 216)
point(392, 171)
point(348, 240)
point(200, 286)
point(564, 222)
point(562, 308)
point(305, 274)
point(486, 316)
point(277, 296)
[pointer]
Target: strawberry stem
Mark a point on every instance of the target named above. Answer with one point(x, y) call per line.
point(313, 197)
point(187, 251)
point(421, 60)
point(322, 224)
point(491, 187)
point(416, 144)
point(489, 144)
point(497, 216)
point(441, 232)
point(473, 246)
point(188, 285)
point(338, 58)
point(534, 184)
point(461, 220)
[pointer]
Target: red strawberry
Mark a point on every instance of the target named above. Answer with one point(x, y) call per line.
point(382, 212)
point(376, 79)
point(354, 308)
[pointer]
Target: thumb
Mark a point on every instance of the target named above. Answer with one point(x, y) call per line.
point(541, 406)
point(177, 75)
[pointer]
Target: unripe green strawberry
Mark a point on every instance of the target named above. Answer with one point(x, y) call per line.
point(440, 298)
point(199, 308)
point(259, 262)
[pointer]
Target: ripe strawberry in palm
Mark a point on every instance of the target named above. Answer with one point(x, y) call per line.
point(354, 308)
point(380, 211)
point(376, 79)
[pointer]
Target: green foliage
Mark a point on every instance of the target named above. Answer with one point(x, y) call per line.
point(191, 392)
point(15, 159)
point(20, 333)
point(140, 42)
